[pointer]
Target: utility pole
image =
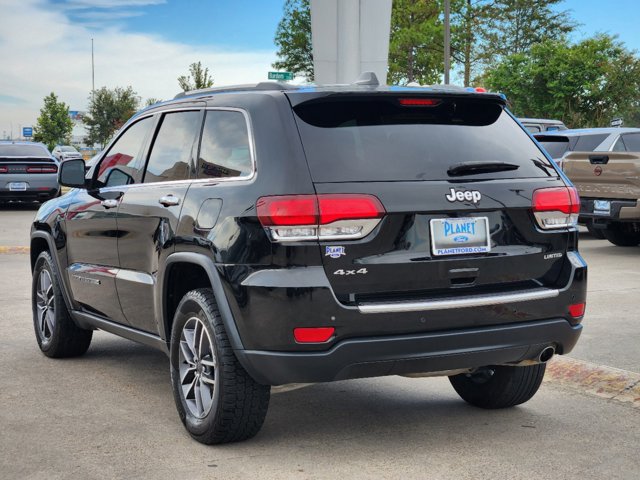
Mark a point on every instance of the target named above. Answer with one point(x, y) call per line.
point(447, 40)
point(93, 78)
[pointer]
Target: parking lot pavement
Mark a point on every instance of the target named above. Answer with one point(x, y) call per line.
point(15, 221)
point(110, 413)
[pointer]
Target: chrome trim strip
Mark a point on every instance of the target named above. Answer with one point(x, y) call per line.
point(449, 303)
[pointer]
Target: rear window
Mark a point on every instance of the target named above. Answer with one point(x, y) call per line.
point(379, 139)
point(555, 146)
point(588, 143)
point(23, 151)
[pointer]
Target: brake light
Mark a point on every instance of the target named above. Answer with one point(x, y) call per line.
point(4, 169)
point(577, 310)
point(319, 217)
point(556, 207)
point(313, 334)
point(420, 102)
point(45, 169)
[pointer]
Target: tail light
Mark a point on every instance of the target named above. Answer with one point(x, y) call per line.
point(43, 169)
point(420, 102)
point(556, 207)
point(292, 218)
point(4, 169)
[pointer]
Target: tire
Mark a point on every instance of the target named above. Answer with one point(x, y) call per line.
point(623, 234)
point(499, 386)
point(217, 400)
point(595, 232)
point(56, 333)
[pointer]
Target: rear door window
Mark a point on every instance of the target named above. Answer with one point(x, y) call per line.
point(170, 158)
point(367, 138)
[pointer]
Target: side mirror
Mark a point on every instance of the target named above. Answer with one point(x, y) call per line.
point(72, 173)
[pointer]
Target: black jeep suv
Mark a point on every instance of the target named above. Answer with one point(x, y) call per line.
point(270, 234)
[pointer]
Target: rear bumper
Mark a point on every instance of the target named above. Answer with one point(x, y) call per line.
point(418, 353)
point(621, 211)
point(39, 186)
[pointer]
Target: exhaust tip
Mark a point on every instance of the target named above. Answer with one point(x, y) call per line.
point(546, 354)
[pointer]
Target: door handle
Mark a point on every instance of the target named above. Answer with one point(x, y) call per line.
point(598, 159)
point(169, 201)
point(109, 203)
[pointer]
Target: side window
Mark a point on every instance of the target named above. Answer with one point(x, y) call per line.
point(619, 146)
point(632, 142)
point(122, 164)
point(589, 143)
point(224, 150)
point(170, 157)
point(532, 128)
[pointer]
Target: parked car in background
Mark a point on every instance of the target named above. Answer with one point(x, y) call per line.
point(27, 172)
point(604, 164)
point(65, 152)
point(535, 125)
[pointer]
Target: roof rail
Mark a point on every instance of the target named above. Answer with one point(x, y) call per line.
point(262, 86)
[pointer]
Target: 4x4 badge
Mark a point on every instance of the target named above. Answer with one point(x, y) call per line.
point(468, 196)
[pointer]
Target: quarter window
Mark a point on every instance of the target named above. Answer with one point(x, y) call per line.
point(224, 150)
point(170, 157)
point(123, 163)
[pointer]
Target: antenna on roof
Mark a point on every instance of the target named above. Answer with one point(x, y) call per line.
point(367, 78)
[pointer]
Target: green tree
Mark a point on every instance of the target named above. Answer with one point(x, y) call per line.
point(54, 125)
point(468, 33)
point(201, 78)
point(416, 42)
point(293, 39)
point(585, 85)
point(514, 26)
point(151, 101)
point(108, 111)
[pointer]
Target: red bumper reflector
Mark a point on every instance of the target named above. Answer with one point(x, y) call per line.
point(313, 335)
point(577, 310)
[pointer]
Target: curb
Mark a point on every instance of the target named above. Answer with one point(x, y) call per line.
point(13, 250)
point(597, 380)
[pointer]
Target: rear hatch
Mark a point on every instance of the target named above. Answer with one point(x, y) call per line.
point(455, 175)
point(607, 175)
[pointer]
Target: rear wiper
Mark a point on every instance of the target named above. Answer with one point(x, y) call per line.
point(475, 168)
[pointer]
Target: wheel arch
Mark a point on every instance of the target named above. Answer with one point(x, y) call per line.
point(42, 241)
point(202, 272)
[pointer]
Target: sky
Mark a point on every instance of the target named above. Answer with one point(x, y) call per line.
point(45, 45)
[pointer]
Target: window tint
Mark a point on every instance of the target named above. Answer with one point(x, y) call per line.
point(224, 151)
point(555, 146)
point(123, 164)
point(19, 150)
point(588, 143)
point(171, 152)
point(619, 146)
point(632, 142)
point(379, 139)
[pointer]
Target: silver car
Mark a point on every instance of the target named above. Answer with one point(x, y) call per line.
point(27, 172)
point(65, 152)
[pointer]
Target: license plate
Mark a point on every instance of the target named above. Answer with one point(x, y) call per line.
point(459, 236)
point(601, 207)
point(18, 186)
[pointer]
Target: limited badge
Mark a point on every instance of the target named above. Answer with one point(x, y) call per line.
point(334, 252)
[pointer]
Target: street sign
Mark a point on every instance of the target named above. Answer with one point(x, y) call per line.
point(617, 122)
point(281, 76)
point(27, 131)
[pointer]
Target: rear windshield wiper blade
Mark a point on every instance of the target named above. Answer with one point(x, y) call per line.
point(475, 168)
